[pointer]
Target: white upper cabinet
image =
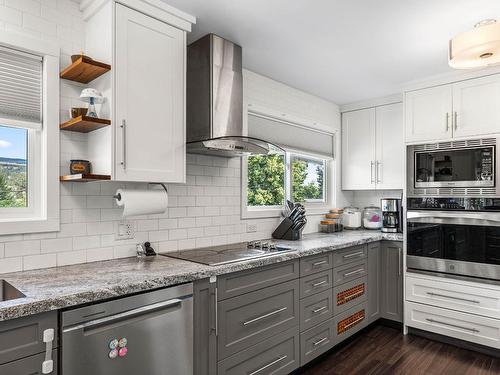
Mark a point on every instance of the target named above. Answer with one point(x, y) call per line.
point(428, 114)
point(358, 149)
point(390, 147)
point(476, 106)
point(464, 109)
point(149, 99)
point(373, 148)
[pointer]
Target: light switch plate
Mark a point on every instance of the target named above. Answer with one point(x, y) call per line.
point(125, 230)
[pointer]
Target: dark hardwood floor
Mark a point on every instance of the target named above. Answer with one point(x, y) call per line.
point(384, 350)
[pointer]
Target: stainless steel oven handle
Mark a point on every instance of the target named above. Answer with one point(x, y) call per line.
point(127, 314)
point(283, 357)
point(460, 218)
point(452, 325)
point(451, 297)
point(254, 320)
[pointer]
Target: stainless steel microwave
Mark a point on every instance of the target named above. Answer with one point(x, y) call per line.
point(458, 164)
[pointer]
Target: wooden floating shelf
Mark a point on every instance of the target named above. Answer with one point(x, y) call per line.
point(84, 124)
point(85, 177)
point(85, 70)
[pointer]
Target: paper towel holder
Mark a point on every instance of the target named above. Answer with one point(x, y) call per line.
point(118, 196)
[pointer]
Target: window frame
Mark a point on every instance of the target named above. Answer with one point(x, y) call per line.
point(314, 208)
point(43, 146)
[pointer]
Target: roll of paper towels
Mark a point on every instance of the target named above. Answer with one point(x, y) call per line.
point(142, 202)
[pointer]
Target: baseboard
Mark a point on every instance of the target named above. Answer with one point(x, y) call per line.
point(455, 342)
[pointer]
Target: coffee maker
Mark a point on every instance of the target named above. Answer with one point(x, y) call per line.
point(391, 215)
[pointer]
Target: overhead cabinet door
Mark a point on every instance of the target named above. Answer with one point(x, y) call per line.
point(476, 106)
point(358, 149)
point(390, 147)
point(149, 82)
point(428, 114)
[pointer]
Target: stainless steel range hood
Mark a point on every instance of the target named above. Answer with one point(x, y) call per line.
point(215, 101)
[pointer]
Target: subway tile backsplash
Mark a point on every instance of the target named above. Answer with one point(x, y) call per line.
point(204, 212)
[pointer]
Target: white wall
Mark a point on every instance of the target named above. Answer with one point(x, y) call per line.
point(205, 211)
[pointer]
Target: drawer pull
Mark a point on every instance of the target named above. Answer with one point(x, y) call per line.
point(319, 283)
point(347, 256)
point(319, 263)
point(347, 326)
point(452, 325)
point(361, 270)
point(319, 309)
point(254, 320)
point(268, 365)
point(319, 342)
point(451, 297)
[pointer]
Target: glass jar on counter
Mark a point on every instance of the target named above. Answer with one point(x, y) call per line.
point(331, 225)
point(372, 217)
point(351, 218)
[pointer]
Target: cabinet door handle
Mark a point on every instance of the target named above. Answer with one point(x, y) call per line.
point(451, 297)
point(372, 180)
point(378, 171)
point(48, 363)
point(361, 270)
point(319, 342)
point(452, 325)
point(320, 283)
point(399, 262)
point(268, 365)
point(455, 117)
point(319, 263)
point(124, 144)
point(319, 309)
point(347, 256)
point(254, 320)
point(447, 122)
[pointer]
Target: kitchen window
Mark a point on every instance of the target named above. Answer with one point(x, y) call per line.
point(29, 141)
point(301, 176)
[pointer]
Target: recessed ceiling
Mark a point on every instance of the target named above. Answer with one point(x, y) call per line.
point(341, 50)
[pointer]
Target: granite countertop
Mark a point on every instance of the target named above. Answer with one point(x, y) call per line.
point(55, 288)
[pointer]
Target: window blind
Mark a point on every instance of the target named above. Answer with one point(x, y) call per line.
point(291, 136)
point(20, 89)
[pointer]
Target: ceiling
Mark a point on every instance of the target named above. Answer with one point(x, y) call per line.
point(341, 50)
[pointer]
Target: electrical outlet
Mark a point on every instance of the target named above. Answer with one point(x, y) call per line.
point(251, 228)
point(125, 230)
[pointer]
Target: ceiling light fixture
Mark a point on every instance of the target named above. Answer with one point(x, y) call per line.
point(477, 48)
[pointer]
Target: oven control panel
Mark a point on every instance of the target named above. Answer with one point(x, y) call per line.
point(454, 204)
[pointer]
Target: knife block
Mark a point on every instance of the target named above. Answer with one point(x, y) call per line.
point(284, 231)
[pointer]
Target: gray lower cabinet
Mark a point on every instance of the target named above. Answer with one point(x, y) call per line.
point(247, 319)
point(21, 342)
point(374, 282)
point(349, 322)
point(315, 309)
point(392, 280)
point(315, 283)
point(205, 330)
point(351, 271)
point(28, 366)
point(278, 355)
point(316, 341)
point(316, 263)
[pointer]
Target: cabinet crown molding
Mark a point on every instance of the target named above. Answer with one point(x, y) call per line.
point(154, 8)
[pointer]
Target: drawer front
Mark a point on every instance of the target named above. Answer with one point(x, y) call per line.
point(315, 283)
point(29, 366)
point(349, 255)
point(349, 294)
point(316, 341)
point(349, 322)
point(245, 320)
point(316, 263)
point(468, 327)
point(278, 355)
point(23, 337)
point(349, 272)
point(315, 309)
point(247, 281)
point(438, 292)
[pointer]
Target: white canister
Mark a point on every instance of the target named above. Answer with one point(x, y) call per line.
point(351, 218)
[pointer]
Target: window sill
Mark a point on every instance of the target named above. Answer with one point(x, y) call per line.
point(29, 226)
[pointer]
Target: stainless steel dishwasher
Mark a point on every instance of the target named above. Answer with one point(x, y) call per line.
point(150, 334)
